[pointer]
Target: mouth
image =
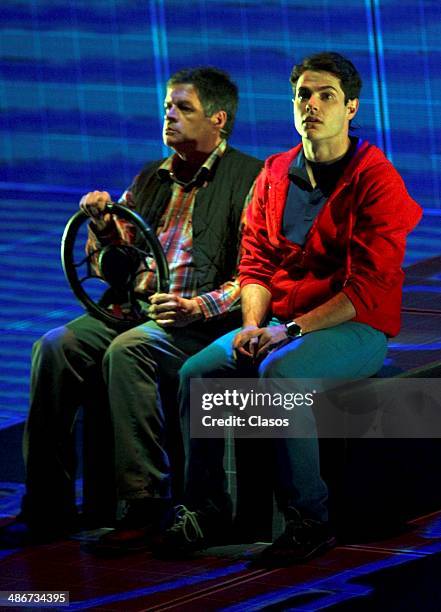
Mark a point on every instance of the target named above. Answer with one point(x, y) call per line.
point(311, 120)
point(171, 131)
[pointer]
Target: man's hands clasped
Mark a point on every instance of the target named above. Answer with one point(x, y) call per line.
point(255, 342)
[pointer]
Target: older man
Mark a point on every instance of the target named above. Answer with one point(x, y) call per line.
point(194, 200)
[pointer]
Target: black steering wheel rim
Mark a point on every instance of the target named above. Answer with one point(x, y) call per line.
point(70, 267)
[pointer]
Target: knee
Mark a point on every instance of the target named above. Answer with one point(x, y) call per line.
point(56, 341)
point(118, 351)
point(127, 348)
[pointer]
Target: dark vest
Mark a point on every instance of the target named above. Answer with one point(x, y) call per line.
point(216, 214)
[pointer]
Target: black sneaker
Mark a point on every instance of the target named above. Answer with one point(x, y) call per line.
point(185, 536)
point(302, 539)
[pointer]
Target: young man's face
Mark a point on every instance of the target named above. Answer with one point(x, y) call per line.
point(320, 112)
point(186, 128)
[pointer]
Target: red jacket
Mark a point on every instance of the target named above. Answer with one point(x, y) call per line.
point(356, 244)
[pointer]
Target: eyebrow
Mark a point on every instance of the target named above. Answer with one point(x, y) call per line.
point(177, 102)
point(321, 88)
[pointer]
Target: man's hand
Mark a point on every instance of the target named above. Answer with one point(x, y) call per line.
point(255, 342)
point(247, 340)
point(93, 204)
point(170, 310)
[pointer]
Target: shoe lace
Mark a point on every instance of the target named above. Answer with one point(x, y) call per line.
point(186, 523)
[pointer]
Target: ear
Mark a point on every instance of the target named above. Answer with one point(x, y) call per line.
point(352, 107)
point(219, 119)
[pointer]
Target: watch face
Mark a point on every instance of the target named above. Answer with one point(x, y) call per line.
point(293, 330)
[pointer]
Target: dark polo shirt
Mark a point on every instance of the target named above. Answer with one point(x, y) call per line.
point(305, 202)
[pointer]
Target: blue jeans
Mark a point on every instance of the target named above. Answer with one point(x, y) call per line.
point(350, 350)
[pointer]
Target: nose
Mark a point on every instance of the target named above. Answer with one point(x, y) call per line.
point(312, 104)
point(171, 113)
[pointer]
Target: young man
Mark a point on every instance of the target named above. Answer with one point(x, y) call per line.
point(194, 200)
point(321, 284)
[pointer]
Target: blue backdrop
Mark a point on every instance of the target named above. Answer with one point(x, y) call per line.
point(82, 81)
point(81, 91)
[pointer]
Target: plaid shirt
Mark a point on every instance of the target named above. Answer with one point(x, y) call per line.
point(174, 232)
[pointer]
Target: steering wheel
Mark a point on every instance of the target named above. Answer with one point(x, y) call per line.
point(119, 267)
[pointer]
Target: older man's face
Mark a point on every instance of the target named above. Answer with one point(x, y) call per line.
point(186, 127)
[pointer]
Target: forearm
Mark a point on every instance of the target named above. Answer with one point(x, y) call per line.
point(338, 309)
point(255, 300)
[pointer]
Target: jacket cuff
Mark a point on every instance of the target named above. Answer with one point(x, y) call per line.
point(244, 280)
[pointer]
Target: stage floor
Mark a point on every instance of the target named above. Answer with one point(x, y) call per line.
point(395, 574)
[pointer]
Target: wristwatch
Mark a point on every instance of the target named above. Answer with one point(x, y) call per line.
point(293, 329)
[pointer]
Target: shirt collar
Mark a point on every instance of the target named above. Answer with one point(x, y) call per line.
point(297, 168)
point(165, 170)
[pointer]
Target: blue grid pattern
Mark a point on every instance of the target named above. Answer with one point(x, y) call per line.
point(81, 89)
point(82, 81)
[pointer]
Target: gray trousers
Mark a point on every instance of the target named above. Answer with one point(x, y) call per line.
point(123, 381)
